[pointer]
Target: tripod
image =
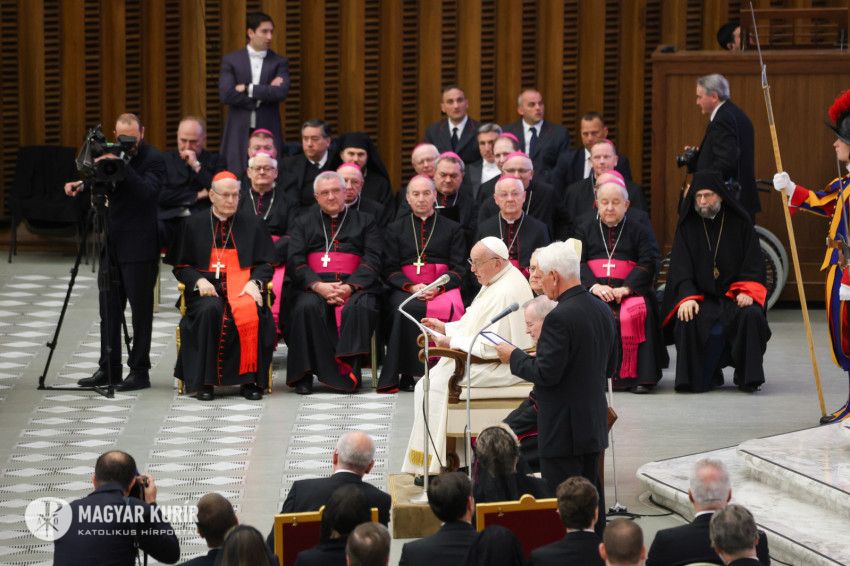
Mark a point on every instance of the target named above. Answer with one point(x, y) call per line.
point(105, 281)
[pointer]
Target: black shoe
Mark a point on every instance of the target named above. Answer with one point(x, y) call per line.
point(135, 381)
point(642, 389)
point(206, 393)
point(251, 392)
point(99, 379)
point(748, 388)
point(407, 383)
point(419, 481)
point(304, 386)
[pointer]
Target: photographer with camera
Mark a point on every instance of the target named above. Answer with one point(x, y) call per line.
point(111, 524)
point(728, 143)
point(124, 181)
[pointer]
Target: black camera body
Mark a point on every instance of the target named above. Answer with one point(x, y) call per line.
point(138, 489)
point(687, 157)
point(106, 172)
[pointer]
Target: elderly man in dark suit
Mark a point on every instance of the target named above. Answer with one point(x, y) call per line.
point(543, 141)
point(450, 498)
point(575, 355)
point(734, 536)
point(457, 131)
point(353, 458)
point(710, 491)
point(253, 82)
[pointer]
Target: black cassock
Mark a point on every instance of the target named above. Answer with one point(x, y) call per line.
point(722, 333)
point(522, 237)
point(460, 207)
point(209, 342)
point(276, 208)
point(579, 200)
point(379, 212)
point(632, 240)
point(541, 202)
point(309, 325)
point(445, 246)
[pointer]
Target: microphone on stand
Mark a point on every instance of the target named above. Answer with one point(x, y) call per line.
point(438, 282)
point(508, 310)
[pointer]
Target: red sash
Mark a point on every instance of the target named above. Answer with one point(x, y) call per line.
point(341, 264)
point(446, 306)
point(277, 288)
point(243, 307)
point(523, 270)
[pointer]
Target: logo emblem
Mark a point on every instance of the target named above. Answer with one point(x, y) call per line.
point(48, 518)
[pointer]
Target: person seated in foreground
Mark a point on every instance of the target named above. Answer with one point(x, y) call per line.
point(622, 544)
point(224, 257)
point(450, 498)
point(215, 518)
point(734, 536)
point(495, 546)
point(502, 284)
point(578, 506)
point(497, 455)
point(244, 545)
point(368, 545)
point(346, 508)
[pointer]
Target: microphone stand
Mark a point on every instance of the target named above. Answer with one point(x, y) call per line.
point(467, 435)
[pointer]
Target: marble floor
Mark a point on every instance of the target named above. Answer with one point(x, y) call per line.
point(252, 452)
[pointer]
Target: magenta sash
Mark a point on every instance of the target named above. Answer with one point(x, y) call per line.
point(523, 270)
point(446, 306)
point(632, 313)
point(341, 264)
point(277, 289)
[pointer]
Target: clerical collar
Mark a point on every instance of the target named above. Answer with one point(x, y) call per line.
point(220, 218)
point(252, 51)
point(270, 189)
point(424, 218)
point(330, 215)
point(716, 108)
point(514, 221)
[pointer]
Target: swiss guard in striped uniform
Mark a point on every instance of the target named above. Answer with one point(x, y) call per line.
point(831, 202)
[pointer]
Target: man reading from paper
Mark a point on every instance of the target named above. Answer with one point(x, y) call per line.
point(224, 258)
point(502, 284)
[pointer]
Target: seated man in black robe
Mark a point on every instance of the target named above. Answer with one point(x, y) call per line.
point(224, 258)
point(521, 232)
point(353, 177)
point(715, 292)
point(619, 261)
point(335, 264)
point(357, 147)
point(579, 197)
point(299, 171)
point(419, 248)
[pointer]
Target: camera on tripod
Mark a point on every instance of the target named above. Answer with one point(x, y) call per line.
point(686, 157)
point(106, 172)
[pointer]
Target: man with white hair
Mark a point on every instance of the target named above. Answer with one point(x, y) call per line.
point(353, 458)
point(574, 358)
point(501, 285)
point(352, 174)
point(423, 158)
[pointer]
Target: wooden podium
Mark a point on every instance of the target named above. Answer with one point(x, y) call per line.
point(803, 84)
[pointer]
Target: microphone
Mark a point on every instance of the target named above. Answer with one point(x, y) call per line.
point(441, 280)
point(508, 310)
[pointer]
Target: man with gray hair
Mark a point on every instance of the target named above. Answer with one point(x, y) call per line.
point(728, 143)
point(575, 355)
point(734, 536)
point(353, 458)
point(710, 491)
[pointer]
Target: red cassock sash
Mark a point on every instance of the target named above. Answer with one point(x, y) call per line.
point(523, 270)
point(342, 264)
point(632, 313)
point(277, 288)
point(243, 307)
point(446, 306)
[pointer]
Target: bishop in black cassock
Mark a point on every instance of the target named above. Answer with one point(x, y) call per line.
point(619, 261)
point(419, 248)
point(354, 198)
point(335, 263)
point(580, 197)
point(715, 293)
point(223, 257)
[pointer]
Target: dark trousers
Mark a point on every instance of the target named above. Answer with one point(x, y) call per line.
point(133, 282)
point(556, 470)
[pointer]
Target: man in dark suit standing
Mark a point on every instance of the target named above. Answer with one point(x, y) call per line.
point(578, 505)
point(299, 171)
point(485, 168)
point(215, 518)
point(353, 458)
point(728, 145)
point(253, 82)
point(457, 131)
point(575, 355)
point(450, 498)
point(734, 536)
point(710, 490)
point(543, 141)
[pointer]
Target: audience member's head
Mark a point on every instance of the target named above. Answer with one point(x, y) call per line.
point(421, 194)
point(729, 36)
point(130, 125)
point(504, 145)
point(622, 544)
point(353, 177)
point(495, 546)
point(115, 466)
point(368, 545)
point(578, 503)
point(487, 258)
point(519, 165)
point(711, 91)
point(346, 508)
point(710, 488)
point(315, 139)
point(355, 452)
point(454, 104)
point(559, 266)
point(612, 202)
point(215, 518)
point(497, 451)
point(261, 141)
point(329, 190)
point(450, 497)
point(262, 171)
point(423, 157)
point(592, 129)
point(529, 105)
point(509, 194)
point(244, 546)
point(487, 135)
point(603, 157)
point(260, 30)
point(733, 533)
point(448, 173)
point(224, 194)
point(191, 135)
point(535, 280)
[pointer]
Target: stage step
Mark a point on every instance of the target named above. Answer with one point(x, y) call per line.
point(797, 485)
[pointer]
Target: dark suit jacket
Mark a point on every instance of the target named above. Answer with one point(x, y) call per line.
point(329, 553)
point(745, 562)
point(472, 177)
point(79, 547)
point(207, 559)
point(575, 355)
point(577, 548)
point(552, 141)
point(570, 169)
point(728, 147)
point(297, 179)
point(309, 495)
point(446, 547)
point(690, 543)
point(180, 191)
point(236, 69)
point(440, 134)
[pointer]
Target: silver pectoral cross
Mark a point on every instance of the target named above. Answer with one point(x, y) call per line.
point(418, 263)
point(608, 267)
point(326, 259)
point(218, 265)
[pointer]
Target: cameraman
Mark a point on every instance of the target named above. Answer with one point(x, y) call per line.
point(133, 252)
point(104, 529)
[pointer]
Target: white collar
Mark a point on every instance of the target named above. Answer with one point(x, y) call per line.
point(586, 154)
point(460, 125)
point(511, 221)
point(254, 53)
point(322, 161)
point(526, 126)
point(716, 108)
point(219, 217)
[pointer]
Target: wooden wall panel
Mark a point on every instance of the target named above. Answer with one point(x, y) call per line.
point(153, 73)
point(570, 95)
point(509, 47)
point(73, 85)
point(410, 107)
point(331, 61)
point(52, 73)
point(487, 96)
point(611, 92)
point(133, 86)
point(233, 13)
point(312, 58)
point(591, 50)
point(9, 97)
point(389, 100)
point(292, 107)
point(472, 43)
point(715, 13)
point(371, 61)
point(674, 22)
point(352, 69)
point(31, 73)
point(429, 80)
point(550, 57)
point(631, 83)
point(113, 93)
point(193, 57)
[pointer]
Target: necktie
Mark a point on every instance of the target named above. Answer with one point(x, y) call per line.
point(454, 138)
point(532, 143)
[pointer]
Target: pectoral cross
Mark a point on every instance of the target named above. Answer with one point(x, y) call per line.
point(326, 259)
point(218, 265)
point(418, 263)
point(608, 267)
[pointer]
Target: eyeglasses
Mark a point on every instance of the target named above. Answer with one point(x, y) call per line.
point(264, 168)
point(328, 192)
point(474, 263)
point(515, 171)
point(513, 194)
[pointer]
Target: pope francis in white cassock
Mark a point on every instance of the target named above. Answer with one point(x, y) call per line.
point(501, 285)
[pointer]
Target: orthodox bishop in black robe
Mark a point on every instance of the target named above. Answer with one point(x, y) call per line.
point(716, 262)
point(376, 180)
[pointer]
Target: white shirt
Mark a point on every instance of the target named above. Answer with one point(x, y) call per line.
point(460, 126)
point(526, 128)
point(256, 59)
point(587, 165)
point(714, 112)
point(489, 170)
point(320, 163)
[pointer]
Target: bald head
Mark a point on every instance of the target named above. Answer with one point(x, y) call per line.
point(215, 518)
point(355, 452)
